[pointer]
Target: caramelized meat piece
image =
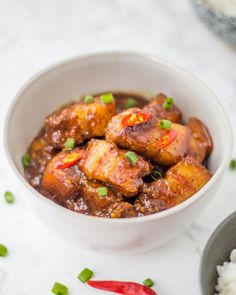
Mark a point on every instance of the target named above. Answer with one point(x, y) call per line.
point(144, 138)
point(101, 206)
point(156, 108)
point(98, 205)
point(200, 143)
point(187, 177)
point(181, 182)
point(40, 153)
point(155, 197)
point(80, 121)
point(122, 210)
point(61, 183)
point(103, 161)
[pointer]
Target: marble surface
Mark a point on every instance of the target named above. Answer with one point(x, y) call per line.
point(35, 34)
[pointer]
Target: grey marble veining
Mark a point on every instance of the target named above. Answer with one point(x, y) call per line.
point(35, 34)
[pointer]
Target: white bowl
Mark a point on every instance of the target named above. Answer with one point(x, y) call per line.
point(119, 71)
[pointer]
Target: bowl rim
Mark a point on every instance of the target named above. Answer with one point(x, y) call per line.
point(212, 237)
point(115, 53)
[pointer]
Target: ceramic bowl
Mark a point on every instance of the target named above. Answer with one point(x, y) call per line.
point(116, 71)
point(217, 250)
point(222, 25)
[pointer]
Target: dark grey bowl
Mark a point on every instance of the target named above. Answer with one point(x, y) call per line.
point(222, 25)
point(217, 250)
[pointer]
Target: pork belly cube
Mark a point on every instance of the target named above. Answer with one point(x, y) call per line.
point(122, 210)
point(144, 138)
point(79, 121)
point(181, 182)
point(156, 108)
point(156, 197)
point(90, 202)
point(98, 205)
point(200, 143)
point(61, 183)
point(103, 161)
point(187, 177)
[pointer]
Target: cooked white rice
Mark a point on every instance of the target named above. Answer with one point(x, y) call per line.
point(227, 276)
point(227, 7)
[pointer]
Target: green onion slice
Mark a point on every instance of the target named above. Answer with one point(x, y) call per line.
point(131, 102)
point(59, 289)
point(102, 191)
point(165, 124)
point(167, 104)
point(3, 250)
point(148, 283)
point(131, 157)
point(155, 175)
point(88, 99)
point(26, 160)
point(9, 197)
point(70, 143)
point(85, 275)
point(107, 98)
point(232, 164)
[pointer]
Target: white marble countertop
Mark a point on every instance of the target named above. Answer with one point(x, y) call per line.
point(35, 34)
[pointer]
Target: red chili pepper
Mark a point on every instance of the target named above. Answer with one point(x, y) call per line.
point(135, 119)
point(70, 159)
point(127, 288)
point(167, 139)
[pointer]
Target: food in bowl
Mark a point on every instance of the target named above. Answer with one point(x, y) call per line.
point(119, 155)
point(227, 276)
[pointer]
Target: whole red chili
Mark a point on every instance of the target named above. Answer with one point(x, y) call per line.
point(127, 288)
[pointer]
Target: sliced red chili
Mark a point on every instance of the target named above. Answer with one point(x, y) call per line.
point(70, 159)
point(167, 139)
point(127, 288)
point(135, 119)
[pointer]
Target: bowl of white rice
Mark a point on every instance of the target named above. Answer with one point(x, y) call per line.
point(218, 264)
point(219, 16)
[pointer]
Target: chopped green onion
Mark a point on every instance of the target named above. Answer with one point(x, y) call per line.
point(165, 124)
point(167, 104)
point(59, 289)
point(85, 275)
point(131, 157)
point(232, 164)
point(156, 175)
point(9, 197)
point(107, 98)
point(26, 160)
point(148, 283)
point(102, 191)
point(3, 250)
point(131, 102)
point(70, 143)
point(89, 99)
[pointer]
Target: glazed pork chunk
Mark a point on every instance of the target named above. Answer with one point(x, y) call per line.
point(180, 182)
point(200, 143)
point(62, 181)
point(71, 188)
point(110, 205)
point(79, 121)
point(164, 147)
point(156, 108)
point(103, 161)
